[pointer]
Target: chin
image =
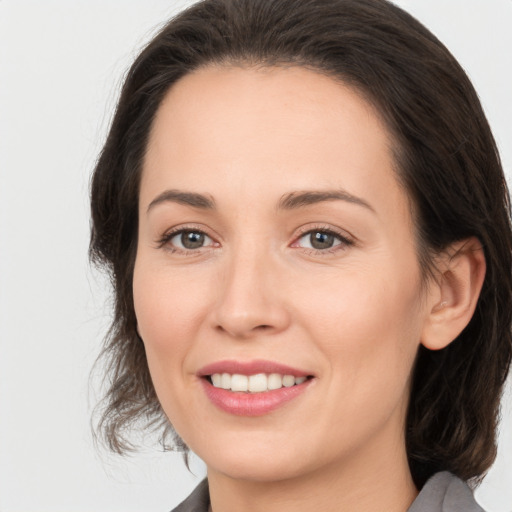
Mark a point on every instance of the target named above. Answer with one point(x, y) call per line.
point(260, 456)
point(267, 468)
point(252, 456)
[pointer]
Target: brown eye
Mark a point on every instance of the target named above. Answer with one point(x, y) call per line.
point(190, 240)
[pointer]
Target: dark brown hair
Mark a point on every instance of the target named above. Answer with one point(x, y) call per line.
point(446, 159)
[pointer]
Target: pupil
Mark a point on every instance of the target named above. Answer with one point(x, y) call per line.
point(321, 240)
point(192, 240)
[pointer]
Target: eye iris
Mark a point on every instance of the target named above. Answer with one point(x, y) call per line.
point(320, 240)
point(192, 239)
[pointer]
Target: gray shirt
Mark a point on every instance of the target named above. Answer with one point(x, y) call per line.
point(443, 492)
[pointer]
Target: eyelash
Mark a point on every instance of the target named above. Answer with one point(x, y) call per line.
point(163, 242)
point(344, 240)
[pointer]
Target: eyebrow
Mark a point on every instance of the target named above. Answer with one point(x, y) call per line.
point(291, 201)
point(186, 198)
point(295, 200)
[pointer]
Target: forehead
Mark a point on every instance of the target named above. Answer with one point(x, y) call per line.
point(262, 131)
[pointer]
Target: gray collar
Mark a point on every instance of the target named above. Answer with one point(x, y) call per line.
point(443, 492)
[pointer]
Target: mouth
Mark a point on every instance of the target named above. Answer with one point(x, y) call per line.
point(252, 388)
point(257, 383)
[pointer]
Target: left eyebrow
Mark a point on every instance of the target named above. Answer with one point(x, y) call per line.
point(192, 199)
point(300, 199)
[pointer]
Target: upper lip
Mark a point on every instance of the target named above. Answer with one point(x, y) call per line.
point(250, 368)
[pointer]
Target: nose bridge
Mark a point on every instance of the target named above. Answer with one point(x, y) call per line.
point(250, 301)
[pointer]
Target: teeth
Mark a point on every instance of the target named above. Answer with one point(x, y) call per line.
point(217, 380)
point(254, 383)
point(288, 381)
point(275, 381)
point(225, 381)
point(239, 382)
point(257, 383)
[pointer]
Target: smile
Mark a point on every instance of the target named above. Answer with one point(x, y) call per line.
point(258, 383)
point(252, 388)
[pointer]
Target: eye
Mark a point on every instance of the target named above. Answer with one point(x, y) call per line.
point(186, 240)
point(321, 240)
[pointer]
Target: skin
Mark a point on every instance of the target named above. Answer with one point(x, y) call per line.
point(352, 315)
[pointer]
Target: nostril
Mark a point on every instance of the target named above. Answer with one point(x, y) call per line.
point(243, 333)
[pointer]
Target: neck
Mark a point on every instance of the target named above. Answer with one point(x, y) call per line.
point(363, 482)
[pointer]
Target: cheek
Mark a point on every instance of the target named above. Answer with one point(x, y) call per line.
point(165, 308)
point(166, 305)
point(369, 327)
point(367, 305)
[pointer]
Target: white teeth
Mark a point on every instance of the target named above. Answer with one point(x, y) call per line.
point(217, 380)
point(288, 381)
point(225, 382)
point(275, 381)
point(239, 382)
point(257, 383)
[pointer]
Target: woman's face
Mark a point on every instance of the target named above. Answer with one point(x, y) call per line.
point(274, 238)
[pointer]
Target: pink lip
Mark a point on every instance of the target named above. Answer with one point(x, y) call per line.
point(250, 368)
point(251, 404)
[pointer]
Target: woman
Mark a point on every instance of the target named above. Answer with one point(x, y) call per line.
point(307, 226)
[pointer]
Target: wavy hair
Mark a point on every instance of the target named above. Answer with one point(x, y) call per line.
point(445, 158)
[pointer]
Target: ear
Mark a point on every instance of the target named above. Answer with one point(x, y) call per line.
point(454, 294)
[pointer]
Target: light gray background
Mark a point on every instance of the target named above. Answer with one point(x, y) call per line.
point(61, 63)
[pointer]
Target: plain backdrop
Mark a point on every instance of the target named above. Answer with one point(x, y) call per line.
point(61, 64)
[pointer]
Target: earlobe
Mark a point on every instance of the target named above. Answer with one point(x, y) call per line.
point(455, 293)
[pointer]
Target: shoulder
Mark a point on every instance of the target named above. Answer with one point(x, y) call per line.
point(444, 492)
point(198, 501)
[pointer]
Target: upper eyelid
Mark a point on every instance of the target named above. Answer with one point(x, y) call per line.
point(187, 227)
point(167, 236)
point(343, 234)
point(343, 241)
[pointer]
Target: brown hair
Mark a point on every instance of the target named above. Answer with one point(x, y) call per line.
point(446, 159)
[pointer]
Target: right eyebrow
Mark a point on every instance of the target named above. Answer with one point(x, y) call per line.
point(186, 198)
point(300, 199)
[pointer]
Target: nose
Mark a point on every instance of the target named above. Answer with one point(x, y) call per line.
point(251, 299)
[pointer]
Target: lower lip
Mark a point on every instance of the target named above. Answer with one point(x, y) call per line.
point(252, 404)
